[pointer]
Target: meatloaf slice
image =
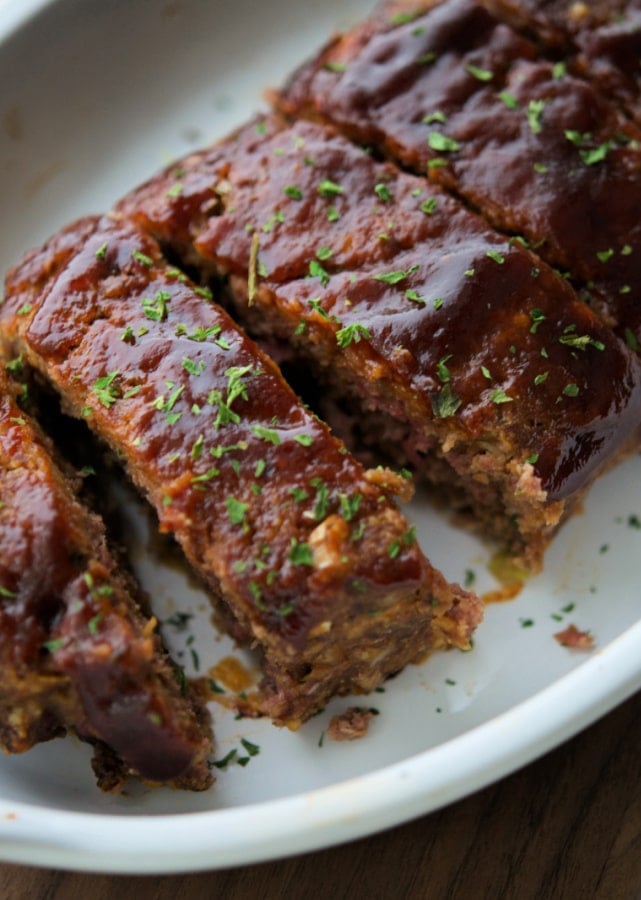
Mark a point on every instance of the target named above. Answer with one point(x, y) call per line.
point(77, 653)
point(311, 561)
point(537, 151)
point(494, 378)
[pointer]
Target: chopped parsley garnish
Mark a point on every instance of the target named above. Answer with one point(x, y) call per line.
point(496, 256)
point(317, 271)
point(509, 100)
point(428, 206)
point(352, 334)
point(479, 74)
point(142, 258)
point(293, 192)
point(499, 396)
point(300, 554)
point(396, 276)
point(156, 309)
point(436, 116)
point(383, 192)
point(445, 403)
point(267, 434)
point(329, 188)
point(534, 112)
point(442, 143)
point(102, 250)
point(105, 389)
point(236, 510)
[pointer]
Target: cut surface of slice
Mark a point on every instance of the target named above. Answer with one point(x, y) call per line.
point(77, 652)
point(311, 561)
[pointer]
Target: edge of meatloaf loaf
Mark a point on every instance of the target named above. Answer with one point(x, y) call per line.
point(511, 391)
point(77, 652)
point(315, 566)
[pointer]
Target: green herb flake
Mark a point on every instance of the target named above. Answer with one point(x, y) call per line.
point(352, 334)
point(305, 440)
point(496, 256)
point(142, 258)
point(383, 192)
point(267, 434)
point(570, 390)
point(317, 271)
point(580, 342)
point(332, 214)
point(558, 70)
point(395, 277)
point(300, 554)
point(442, 143)
point(156, 309)
point(441, 369)
point(101, 252)
point(534, 112)
point(252, 749)
point(336, 67)
point(436, 116)
point(537, 317)
point(293, 192)
point(428, 206)
point(329, 188)
point(445, 403)
point(478, 73)
point(105, 389)
point(415, 297)
point(499, 396)
point(236, 510)
point(509, 100)
point(540, 167)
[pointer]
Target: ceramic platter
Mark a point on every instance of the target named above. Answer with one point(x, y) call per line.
point(95, 97)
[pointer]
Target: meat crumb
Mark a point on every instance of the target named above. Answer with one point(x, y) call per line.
point(350, 725)
point(575, 638)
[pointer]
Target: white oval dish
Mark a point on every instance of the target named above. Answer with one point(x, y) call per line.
point(96, 97)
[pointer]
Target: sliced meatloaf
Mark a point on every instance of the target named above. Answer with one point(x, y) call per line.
point(539, 152)
point(311, 561)
point(475, 362)
point(76, 650)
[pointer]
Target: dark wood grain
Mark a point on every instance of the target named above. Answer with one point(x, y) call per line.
point(567, 826)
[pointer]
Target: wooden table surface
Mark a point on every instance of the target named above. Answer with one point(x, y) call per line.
point(567, 826)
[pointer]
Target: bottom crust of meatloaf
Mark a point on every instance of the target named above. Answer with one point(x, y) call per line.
point(76, 651)
point(316, 567)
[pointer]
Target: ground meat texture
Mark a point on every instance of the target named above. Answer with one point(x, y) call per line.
point(537, 151)
point(76, 651)
point(313, 564)
point(495, 380)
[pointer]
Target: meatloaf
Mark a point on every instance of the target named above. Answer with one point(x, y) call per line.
point(600, 41)
point(312, 563)
point(77, 651)
point(475, 362)
point(538, 151)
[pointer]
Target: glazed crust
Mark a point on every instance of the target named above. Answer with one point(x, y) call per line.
point(538, 151)
point(76, 651)
point(505, 387)
point(313, 564)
